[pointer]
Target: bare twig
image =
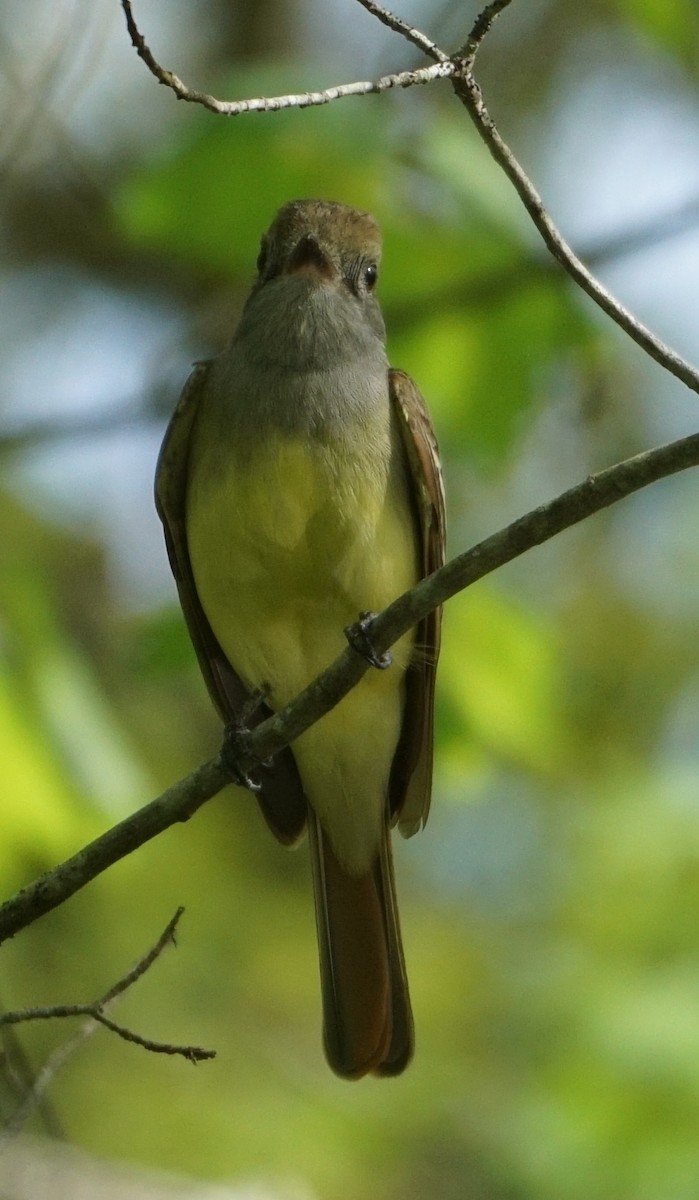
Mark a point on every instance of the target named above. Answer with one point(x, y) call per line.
point(469, 93)
point(459, 67)
point(95, 1012)
point(235, 108)
point(479, 29)
point(491, 287)
point(471, 97)
point(167, 938)
point(398, 25)
point(181, 801)
point(95, 1009)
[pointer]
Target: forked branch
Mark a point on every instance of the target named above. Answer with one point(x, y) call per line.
point(95, 1015)
point(459, 68)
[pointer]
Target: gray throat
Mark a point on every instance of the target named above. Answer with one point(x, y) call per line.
point(305, 360)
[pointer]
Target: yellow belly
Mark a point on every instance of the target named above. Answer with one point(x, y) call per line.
point(287, 550)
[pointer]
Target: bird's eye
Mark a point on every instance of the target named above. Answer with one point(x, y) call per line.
point(370, 275)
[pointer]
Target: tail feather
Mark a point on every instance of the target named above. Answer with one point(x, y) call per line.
point(367, 1020)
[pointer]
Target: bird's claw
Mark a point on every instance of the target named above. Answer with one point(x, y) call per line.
point(233, 745)
point(359, 638)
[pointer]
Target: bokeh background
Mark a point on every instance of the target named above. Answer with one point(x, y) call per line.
point(551, 908)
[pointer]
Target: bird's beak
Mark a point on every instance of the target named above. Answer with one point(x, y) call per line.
point(309, 259)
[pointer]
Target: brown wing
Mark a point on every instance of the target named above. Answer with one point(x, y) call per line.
point(411, 773)
point(282, 800)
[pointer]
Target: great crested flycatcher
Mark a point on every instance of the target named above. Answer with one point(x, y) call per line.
point(299, 484)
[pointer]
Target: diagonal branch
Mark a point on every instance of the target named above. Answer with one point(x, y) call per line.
point(181, 801)
point(470, 95)
point(398, 25)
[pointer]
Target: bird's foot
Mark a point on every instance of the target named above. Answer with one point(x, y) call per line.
point(233, 751)
point(359, 638)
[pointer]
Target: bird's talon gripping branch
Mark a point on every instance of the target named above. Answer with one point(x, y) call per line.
point(359, 638)
point(231, 748)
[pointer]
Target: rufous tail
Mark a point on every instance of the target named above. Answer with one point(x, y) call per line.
point(367, 1019)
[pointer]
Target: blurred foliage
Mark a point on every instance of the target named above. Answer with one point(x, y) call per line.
point(550, 910)
point(674, 24)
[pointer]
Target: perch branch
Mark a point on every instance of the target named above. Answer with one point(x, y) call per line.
point(181, 801)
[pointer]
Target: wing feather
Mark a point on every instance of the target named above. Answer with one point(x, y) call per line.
point(282, 800)
point(411, 775)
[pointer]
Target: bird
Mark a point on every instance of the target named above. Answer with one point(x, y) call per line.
point(299, 483)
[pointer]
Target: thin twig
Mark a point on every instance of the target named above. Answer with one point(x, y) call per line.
point(95, 1008)
point(193, 1054)
point(479, 29)
point(235, 108)
point(167, 938)
point(96, 1017)
point(470, 95)
point(181, 801)
point(398, 25)
point(460, 69)
point(469, 92)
